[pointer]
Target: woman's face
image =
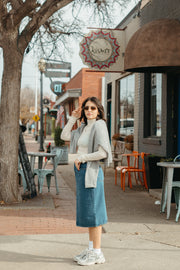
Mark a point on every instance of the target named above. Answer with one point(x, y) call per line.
point(90, 110)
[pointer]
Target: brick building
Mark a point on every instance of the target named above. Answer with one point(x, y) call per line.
point(84, 84)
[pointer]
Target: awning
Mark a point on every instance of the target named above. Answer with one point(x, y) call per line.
point(155, 47)
point(67, 96)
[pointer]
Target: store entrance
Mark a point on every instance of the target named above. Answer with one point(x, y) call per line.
point(178, 120)
point(173, 115)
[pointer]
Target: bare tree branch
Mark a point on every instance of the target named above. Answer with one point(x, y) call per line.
point(39, 18)
point(54, 30)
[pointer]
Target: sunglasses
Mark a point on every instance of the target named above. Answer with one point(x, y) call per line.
point(92, 108)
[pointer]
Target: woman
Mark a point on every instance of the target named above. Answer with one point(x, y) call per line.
point(91, 142)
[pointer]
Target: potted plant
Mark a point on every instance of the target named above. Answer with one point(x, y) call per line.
point(153, 172)
point(59, 143)
point(129, 142)
point(117, 137)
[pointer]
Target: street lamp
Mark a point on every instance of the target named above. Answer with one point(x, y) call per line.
point(42, 68)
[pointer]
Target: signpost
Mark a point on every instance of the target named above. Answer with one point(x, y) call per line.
point(51, 69)
point(42, 69)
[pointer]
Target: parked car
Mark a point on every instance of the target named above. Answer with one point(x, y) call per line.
point(126, 126)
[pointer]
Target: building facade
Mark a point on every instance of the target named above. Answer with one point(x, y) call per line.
point(122, 89)
point(152, 54)
point(159, 92)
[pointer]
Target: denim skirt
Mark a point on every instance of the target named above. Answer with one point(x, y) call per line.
point(90, 202)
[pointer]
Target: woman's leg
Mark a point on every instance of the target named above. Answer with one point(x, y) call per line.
point(95, 236)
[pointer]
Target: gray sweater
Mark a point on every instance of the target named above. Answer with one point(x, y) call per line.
point(98, 137)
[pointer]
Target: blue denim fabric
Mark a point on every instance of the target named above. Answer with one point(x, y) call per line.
point(90, 202)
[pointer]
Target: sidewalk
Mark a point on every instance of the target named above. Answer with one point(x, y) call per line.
point(41, 233)
point(45, 214)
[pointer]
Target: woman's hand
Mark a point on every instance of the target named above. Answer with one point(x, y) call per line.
point(77, 112)
point(77, 164)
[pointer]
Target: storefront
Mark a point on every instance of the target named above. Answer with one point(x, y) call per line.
point(154, 52)
point(151, 76)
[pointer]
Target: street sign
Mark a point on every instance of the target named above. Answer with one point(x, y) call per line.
point(46, 101)
point(58, 65)
point(57, 69)
point(36, 118)
point(57, 74)
point(56, 87)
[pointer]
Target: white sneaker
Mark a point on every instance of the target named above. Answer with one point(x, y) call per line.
point(82, 254)
point(91, 258)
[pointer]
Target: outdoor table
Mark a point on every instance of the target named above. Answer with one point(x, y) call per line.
point(40, 156)
point(168, 171)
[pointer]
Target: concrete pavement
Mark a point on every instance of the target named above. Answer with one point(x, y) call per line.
point(41, 233)
point(122, 251)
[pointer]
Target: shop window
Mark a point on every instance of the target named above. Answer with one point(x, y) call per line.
point(125, 111)
point(152, 105)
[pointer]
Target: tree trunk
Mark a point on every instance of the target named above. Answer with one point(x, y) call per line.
point(9, 122)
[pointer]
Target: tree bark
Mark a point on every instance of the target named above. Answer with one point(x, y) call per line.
point(9, 121)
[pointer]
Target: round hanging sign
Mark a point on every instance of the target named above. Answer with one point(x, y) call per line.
point(99, 49)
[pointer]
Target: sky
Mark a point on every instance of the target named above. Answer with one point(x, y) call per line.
point(30, 72)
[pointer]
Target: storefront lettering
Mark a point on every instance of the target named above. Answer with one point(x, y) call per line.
point(99, 50)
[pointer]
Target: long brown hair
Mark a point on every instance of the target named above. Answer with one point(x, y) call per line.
point(99, 106)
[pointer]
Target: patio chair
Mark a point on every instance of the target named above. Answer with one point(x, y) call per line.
point(21, 174)
point(135, 170)
point(135, 156)
point(42, 173)
point(176, 188)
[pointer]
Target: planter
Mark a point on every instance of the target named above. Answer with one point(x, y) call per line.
point(129, 146)
point(153, 172)
point(64, 158)
point(114, 142)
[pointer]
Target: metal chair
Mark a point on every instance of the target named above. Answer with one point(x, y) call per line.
point(42, 173)
point(21, 174)
point(176, 189)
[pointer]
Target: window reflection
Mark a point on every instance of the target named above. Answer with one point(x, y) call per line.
point(126, 105)
point(155, 106)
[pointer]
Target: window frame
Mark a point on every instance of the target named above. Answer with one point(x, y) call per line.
point(118, 102)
